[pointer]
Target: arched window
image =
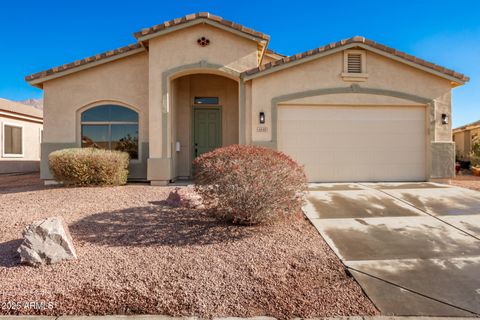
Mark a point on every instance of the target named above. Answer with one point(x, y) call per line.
point(110, 127)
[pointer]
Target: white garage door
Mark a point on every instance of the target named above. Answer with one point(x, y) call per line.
point(355, 143)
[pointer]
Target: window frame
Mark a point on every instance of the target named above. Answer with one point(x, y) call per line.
point(348, 76)
point(109, 126)
point(40, 140)
point(13, 155)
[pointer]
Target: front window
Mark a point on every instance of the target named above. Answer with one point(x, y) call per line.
point(12, 140)
point(111, 127)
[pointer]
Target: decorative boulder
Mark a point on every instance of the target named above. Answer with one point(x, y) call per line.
point(46, 242)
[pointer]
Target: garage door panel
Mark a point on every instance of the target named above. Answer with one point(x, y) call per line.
point(355, 143)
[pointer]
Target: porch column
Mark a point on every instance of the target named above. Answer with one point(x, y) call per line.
point(159, 165)
point(241, 113)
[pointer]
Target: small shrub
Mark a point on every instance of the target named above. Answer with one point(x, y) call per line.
point(474, 160)
point(89, 167)
point(474, 156)
point(476, 148)
point(248, 184)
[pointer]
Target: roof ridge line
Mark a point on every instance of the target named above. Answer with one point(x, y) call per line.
point(198, 16)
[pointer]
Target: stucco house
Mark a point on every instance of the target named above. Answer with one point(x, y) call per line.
point(21, 129)
point(354, 110)
point(465, 137)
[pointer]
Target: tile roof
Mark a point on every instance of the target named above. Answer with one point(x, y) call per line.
point(20, 108)
point(84, 61)
point(353, 40)
point(199, 16)
point(467, 126)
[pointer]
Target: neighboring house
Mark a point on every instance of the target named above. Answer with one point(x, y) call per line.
point(354, 110)
point(20, 137)
point(465, 137)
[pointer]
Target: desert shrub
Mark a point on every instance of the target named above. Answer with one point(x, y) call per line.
point(474, 155)
point(89, 166)
point(249, 184)
point(474, 160)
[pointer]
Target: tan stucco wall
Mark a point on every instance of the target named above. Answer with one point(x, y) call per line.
point(123, 82)
point(352, 99)
point(184, 91)
point(459, 139)
point(383, 73)
point(29, 161)
point(180, 49)
point(248, 113)
point(464, 141)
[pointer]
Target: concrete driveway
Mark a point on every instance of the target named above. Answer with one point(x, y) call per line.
point(413, 247)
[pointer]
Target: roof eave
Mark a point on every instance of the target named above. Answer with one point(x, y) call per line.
point(274, 55)
point(21, 116)
point(467, 127)
point(455, 81)
point(38, 82)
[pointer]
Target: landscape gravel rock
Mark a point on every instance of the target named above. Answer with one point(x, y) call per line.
point(139, 254)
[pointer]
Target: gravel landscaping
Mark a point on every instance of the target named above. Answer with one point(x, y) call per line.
point(139, 253)
point(464, 179)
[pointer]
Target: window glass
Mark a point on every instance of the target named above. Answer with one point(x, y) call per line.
point(123, 114)
point(109, 113)
point(205, 100)
point(118, 130)
point(97, 114)
point(95, 136)
point(124, 137)
point(12, 140)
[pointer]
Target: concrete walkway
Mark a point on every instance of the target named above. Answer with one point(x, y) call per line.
point(413, 247)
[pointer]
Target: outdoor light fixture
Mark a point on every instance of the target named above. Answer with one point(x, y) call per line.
point(262, 117)
point(444, 118)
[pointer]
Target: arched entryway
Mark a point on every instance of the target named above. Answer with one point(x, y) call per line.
point(205, 115)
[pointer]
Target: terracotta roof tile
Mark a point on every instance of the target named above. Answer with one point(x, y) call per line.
point(195, 16)
point(84, 61)
point(362, 40)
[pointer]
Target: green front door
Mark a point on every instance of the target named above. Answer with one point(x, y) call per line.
point(207, 130)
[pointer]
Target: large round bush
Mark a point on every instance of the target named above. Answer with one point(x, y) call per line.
point(89, 167)
point(249, 184)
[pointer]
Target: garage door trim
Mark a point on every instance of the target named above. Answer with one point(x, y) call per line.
point(354, 88)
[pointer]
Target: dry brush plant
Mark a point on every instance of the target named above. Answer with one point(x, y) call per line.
point(89, 167)
point(249, 184)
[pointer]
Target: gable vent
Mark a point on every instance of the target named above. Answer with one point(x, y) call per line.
point(354, 63)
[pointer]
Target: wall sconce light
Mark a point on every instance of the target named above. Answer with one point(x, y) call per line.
point(444, 118)
point(262, 117)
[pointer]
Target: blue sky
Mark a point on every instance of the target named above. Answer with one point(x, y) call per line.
point(37, 35)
